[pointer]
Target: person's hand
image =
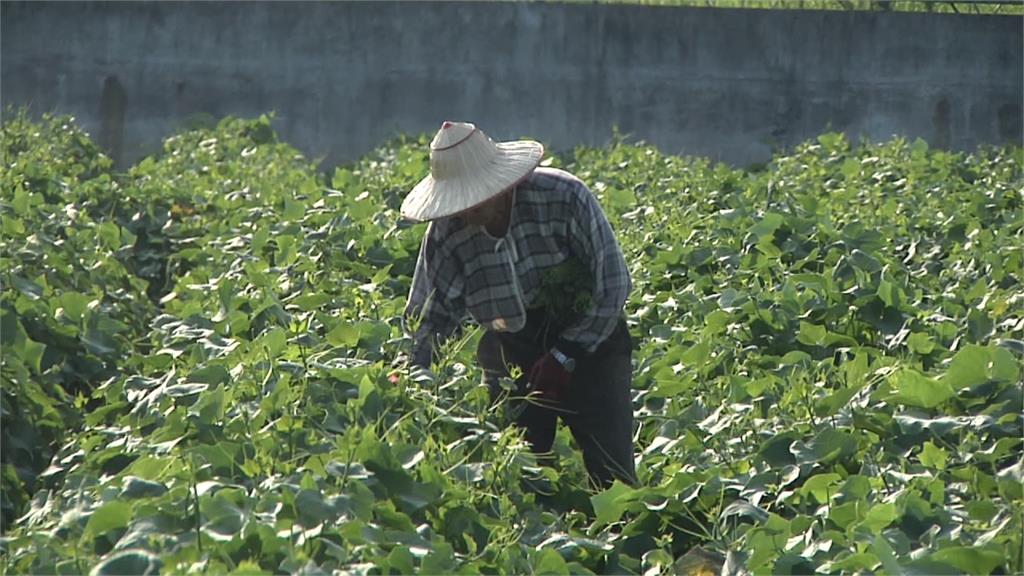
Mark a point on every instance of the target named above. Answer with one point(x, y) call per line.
point(549, 378)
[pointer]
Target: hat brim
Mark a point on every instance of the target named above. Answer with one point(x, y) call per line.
point(432, 199)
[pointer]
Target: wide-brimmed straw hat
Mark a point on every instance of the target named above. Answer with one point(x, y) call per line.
point(468, 168)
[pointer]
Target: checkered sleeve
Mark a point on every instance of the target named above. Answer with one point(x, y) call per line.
point(593, 242)
point(435, 306)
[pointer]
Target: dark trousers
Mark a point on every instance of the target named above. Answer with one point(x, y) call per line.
point(597, 405)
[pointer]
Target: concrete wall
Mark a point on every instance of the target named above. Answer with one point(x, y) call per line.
point(344, 77)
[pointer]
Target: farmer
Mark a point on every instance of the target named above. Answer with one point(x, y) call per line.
point(503, 232)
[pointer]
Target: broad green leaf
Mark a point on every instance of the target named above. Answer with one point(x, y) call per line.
point(920, 343)
point(767, 225)
point(345, 334)
point(610, 504)
point(29, 288)
point(811, 335)
point(879, 516)
point(109, 516)
point(821, 486)
point(969, 367)
point(249, 568)
point(828, 445)
point(550, 562)
point(880, 546)
point(135, 487)
point(401, 560)
point(969, 559)
point(74, 304)
point(134, 562)
point(915, 389)
point(933, 456)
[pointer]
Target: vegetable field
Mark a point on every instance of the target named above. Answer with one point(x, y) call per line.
point(198, 368)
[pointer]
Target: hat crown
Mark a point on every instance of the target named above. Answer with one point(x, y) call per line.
point(466, 169)
point(460, 149)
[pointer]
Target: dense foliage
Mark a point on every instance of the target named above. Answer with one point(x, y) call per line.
point(198, 367)
point(937, 6)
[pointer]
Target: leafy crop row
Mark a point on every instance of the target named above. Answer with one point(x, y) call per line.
point(198, 367)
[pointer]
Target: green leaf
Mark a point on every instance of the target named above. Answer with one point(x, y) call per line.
point(828, 445)
point(915, 389)
point(767, 225)
point(821, 486)
point(880, 546)
point(135, 487)
point(920, 343)
point(345, 334)
point(209, 409)
point(110, 234)
point(969, 367)
point(610, 504)
point(249, 568)
point(550, 561)
point(134, 562)
point(880, 516)
point(30, 289)
point(109, 516)
point(969, 559)
point(811, 335)
point(74, 304)
point(402, 560)
point(933, 456)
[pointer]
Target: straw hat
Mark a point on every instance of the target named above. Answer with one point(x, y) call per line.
point(468, 168)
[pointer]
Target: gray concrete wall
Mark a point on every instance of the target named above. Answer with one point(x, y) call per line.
point(343, 77)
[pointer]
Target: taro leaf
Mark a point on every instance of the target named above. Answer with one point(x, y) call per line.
point(225, 515)
point(313, 509)
point(212, 374)
point(865, 261)
point(976, 365)
point(30, 289)
point(933, 457)
point(835, 401)
point(610, 504)
point(128, 562)
point(209, 409)
point(550, 561)
point(250, 568)
point(915, 389)
point(855, 563)
point(821, 486)
point(74, 304)
point(440, 561)
point(744, 509)
point(828, 445)
point(109, 516)
point(776, 450)
point(971, 560)
point(910, 423)
point(767, 225)
point(930, 567)
point(880, 546)
point(793, 564)
point(854, 488)
point(345, 334)
point(99, 335)
point(811, 335)
point(135, 487)
point(880, 516)
point(400, 559)
point(920, 343)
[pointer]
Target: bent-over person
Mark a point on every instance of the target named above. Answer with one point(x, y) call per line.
point(528, 253)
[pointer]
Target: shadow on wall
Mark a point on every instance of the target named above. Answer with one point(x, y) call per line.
point(112, 106)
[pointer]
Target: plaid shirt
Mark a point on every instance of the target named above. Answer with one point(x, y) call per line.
point(462, 268)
